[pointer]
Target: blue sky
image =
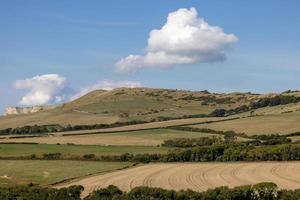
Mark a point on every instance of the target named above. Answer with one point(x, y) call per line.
point(82, 40)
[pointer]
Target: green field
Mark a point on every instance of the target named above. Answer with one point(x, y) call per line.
point(46, 172)
point(15, 150)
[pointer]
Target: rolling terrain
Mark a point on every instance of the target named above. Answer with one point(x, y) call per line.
point(145, 104)
point(92, 156)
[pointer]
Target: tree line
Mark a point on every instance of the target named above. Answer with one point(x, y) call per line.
point(260, 191)
point(232, 151)
point(40, 129)
point(52, 128)
point(261, 139)
point(40, 193)
point(261, 103)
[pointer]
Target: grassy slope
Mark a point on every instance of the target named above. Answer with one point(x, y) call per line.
point(146, 104)
point(144, 137)
point(46, 172)
point(14, 150)
point(126, 104)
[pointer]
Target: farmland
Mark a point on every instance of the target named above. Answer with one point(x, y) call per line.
point(45, 172)
point(125, 104)
point(268, 124)
point(150, 137)
point(198, 177)
point(17, 150)
point(91, 156)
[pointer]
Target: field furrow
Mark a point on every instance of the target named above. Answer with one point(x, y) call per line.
point(198, 176)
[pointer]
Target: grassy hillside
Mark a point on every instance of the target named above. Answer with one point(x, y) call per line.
point(146, 104)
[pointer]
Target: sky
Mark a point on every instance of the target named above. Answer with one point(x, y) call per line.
point(58, 50)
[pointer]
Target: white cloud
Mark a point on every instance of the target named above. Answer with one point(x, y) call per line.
point(43, 89)
point(53, 89)
point(106, 85)
point(184, 39)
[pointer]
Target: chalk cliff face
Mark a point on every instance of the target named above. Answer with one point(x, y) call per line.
point(25, 110)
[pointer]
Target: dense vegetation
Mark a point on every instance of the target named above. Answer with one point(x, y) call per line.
point(192, 142)
point(263, 139)
point(272, 139)
point(261, 191)
point(228, 151)
point(44, 129)
point(39, 193)
point(226, 134)
point(261, 103)
point(36, 129)
point(210, 99)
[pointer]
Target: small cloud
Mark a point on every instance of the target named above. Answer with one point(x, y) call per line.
point(106, 85)
point(43, 89)
point(184, 39)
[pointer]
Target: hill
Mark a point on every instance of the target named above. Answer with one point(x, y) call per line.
point(145, 104)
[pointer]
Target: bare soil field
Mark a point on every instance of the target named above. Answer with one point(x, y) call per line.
point(198, 177)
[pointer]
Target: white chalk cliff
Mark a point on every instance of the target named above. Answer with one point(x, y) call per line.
point(25, 110)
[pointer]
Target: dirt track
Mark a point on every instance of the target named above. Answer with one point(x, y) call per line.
point(197, 177)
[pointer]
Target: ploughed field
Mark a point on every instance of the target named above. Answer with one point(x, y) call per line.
point(199, 177)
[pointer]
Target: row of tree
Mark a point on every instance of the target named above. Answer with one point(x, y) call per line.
point(41, 129)
point(261, 191)
point(39, 193)
point(51, 128)
point(192, 142)
point(261, 139)
point(235, 152)
point(261, 103)
point(218, 152)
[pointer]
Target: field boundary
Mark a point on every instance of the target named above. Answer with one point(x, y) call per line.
point(102, 131)
point(70, 180)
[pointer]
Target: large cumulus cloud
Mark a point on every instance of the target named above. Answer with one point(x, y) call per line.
point(184, 39)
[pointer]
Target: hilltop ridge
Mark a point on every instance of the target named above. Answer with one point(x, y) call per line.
point(146, 104)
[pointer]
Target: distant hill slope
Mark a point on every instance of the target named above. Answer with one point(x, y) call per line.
point(126, 104)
